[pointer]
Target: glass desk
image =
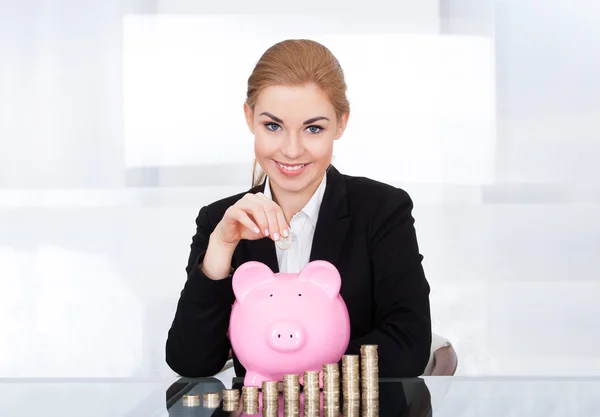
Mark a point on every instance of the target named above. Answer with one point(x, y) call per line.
point(428, 396)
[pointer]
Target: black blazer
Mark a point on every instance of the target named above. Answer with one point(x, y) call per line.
point(365, 228)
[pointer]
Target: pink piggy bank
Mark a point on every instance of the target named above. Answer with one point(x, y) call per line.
point(287, 323)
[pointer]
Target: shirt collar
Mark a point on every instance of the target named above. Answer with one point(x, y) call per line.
point(312, 207)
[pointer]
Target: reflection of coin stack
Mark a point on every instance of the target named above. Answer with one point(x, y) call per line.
point(312, 394)
point(211, 400)
point(350, 384)
point(191, 400)
point(291, 395)
point(369, 380)
point(270, 398)
point(331, 390)
point(231, 399)
point(250, 400)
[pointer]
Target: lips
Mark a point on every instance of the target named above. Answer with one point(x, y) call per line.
point(291, 170)
point(290, 167)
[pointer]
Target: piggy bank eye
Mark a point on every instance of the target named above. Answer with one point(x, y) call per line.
point(299, 295)
point(271, 295)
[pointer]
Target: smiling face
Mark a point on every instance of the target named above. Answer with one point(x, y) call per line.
point(294, 130)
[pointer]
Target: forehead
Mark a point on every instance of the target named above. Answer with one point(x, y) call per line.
point(294, 104)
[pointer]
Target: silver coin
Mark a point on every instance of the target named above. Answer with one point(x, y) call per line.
point(284, 243)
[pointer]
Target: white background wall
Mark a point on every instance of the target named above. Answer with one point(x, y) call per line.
point(488, 111)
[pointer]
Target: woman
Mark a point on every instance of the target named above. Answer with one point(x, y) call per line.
point(296, 108)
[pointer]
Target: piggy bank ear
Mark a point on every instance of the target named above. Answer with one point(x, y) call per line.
point(324, 274)
point(250, 275)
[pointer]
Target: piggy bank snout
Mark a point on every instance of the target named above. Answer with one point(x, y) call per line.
point(286, 336)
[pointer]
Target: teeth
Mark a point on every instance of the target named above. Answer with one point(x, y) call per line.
point(293, 168)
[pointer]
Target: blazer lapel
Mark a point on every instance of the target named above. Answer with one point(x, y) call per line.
point(333, 222)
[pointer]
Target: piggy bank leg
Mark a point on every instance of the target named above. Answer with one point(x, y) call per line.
point(254, 379)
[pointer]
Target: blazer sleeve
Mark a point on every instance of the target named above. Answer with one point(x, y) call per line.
point(402, 327)
point(197, 343)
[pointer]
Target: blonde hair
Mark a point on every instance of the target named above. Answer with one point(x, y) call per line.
point(296, 62)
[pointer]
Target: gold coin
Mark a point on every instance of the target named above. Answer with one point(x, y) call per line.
point(250, 399)
point(211, 399)
point(231, 405)
point(368, 348)
point(351, 408)
point(191, 400)
point(291, 387)
point(231, 394)
point(291, 379)
point(270, 388)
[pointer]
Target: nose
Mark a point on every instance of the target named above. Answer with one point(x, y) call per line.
point(286, 336)
point(293, 147)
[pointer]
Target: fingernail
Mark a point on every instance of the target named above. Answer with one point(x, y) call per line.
point(285, 233)
point(256, 230)
point(276, 236)
point(266, 232)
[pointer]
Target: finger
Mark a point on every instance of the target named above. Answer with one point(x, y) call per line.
point(282, 224)
point(256, 211)
point(271, 213)
point(252, 206)
point(262, 201)
point(243, 218)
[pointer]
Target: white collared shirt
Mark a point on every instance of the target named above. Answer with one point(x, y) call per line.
point(303, 226)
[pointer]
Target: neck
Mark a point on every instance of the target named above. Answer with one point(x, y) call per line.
point(292, 202)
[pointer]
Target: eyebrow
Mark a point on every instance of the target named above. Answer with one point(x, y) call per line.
point(307, 122)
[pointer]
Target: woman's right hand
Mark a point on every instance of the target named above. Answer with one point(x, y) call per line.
point(252, 217)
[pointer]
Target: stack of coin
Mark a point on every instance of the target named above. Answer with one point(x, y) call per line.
point(331, 390)
point(231, 399)
point(350, 377)
point(291, 395)
point(211, 400)
point(191, 400)
point(312, 394)
point(351, 408)
point(250, 400)
point(270, 398)
point(369, 371)
point(369, 379)
point(370, 407)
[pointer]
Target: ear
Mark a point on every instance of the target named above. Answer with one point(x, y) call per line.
point(341, 127)
point(249, 115)
point(324, 274)
point(250, 275)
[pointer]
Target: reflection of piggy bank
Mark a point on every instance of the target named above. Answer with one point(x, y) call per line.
point(287, 323)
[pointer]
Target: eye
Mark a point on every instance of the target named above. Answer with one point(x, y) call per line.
point(272, 126)
point(299, 295)
point(314, 129)
point(270, 295)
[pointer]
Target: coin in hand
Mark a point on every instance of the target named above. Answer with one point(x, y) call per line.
point(284, 243)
